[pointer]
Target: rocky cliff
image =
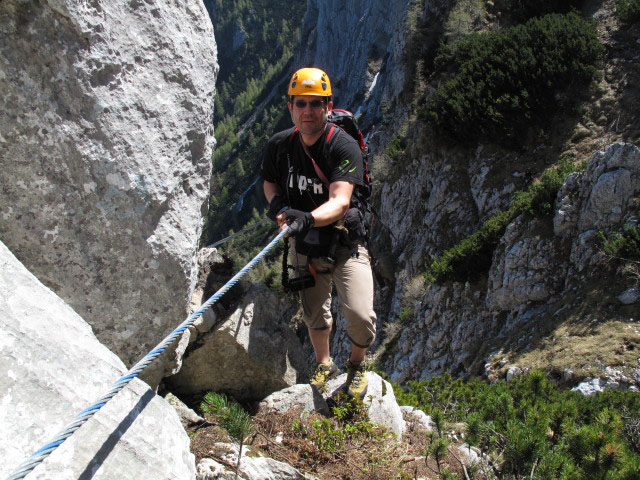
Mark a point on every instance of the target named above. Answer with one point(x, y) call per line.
point(542, 277)
point(105, 144)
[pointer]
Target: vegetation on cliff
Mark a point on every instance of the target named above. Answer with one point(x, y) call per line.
point(531, 429)
point(628, 10)
point(472, 257)
point(509, 81)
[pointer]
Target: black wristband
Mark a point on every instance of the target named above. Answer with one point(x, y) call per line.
point(276, 206)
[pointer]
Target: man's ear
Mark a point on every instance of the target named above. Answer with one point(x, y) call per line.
point(330, 107)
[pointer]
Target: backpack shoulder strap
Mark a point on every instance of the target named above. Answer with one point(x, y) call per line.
point(330, 134)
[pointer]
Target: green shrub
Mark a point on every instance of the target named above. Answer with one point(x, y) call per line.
point(350, 423)
point(625, 245)
point(396, 147)
point(522, 10)
point(628, 10)
point(537, 427)
point(538, 199)
point(231, 417)
point(510, 80)
point(472, 256)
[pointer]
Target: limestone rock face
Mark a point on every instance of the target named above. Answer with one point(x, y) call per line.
point(529, 273)
point(105, 145)
point(249, 355)
point(51, 368)
point(520, 273)
point(365, 72)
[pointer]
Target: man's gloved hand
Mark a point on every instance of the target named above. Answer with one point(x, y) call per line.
point(276, 206)
point(298, 221)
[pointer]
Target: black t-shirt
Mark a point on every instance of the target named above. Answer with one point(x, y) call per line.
point(286, 164)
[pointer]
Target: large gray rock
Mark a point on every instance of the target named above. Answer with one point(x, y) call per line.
point(252, 466)
point(418, 418)
point(379, 398)
point(520, 273)
point(251, 354)
point(302, 397)
point(51, 368)
point(105, 145)
point(609, 187)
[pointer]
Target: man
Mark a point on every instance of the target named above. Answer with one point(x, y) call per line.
point(309, 174)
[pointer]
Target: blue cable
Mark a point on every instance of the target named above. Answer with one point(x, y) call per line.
point(39, 455)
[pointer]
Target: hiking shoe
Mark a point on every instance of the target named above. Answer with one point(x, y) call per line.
point(322, 373)
point(356, 384)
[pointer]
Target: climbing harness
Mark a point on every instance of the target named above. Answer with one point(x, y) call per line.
point(39, 455)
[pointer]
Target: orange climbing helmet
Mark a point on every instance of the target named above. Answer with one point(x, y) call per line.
point(310, 81)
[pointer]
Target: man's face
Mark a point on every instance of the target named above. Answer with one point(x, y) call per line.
point(309, 113)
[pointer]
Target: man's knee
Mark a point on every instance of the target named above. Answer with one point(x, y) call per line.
point(362, 332)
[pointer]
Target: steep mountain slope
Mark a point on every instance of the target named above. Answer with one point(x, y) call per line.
point(511, 305)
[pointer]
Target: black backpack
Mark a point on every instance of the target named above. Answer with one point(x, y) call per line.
point(360, 218)
point(347, 122)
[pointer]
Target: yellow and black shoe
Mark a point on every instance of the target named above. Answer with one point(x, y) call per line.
point(322, 373)
point(356, 385)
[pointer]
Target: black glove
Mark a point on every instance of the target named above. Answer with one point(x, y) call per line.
point(298, 221)
point(276, 206)
point(354, 222)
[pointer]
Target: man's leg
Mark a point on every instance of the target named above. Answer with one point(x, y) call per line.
point(354, 283)
point(320, 343)
point(316, 314)
point(357, 353)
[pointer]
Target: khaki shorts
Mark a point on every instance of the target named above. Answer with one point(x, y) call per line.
point(353, 279)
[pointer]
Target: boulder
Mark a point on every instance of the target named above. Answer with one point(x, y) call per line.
point(209, 469)
point(629, 296)
point(249, 355)
point(301, 396)
point(252, 466)
point(419, 418)
point(468, 455)
point(106, 140)
point(382, 407)
point(51, 368)
point(590, 386)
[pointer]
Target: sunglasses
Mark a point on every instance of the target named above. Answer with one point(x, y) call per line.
point(313, 103)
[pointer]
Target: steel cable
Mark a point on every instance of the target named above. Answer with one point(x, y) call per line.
point(39, 455)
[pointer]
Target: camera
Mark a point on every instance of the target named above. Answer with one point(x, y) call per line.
point(300, 283)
